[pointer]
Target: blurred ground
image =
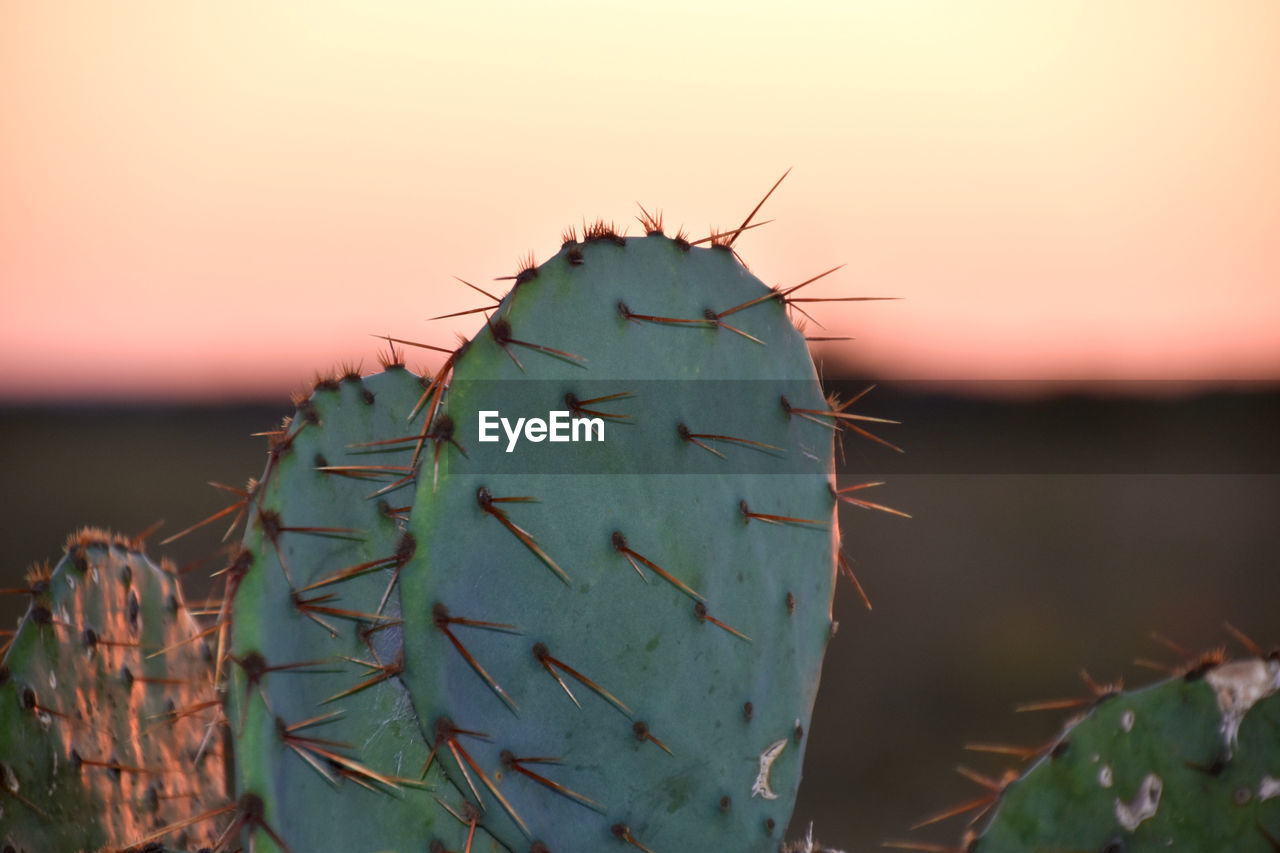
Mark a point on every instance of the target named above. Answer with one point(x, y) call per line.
point(1048, 535)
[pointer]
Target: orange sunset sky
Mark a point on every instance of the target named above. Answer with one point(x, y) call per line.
point(214, 199)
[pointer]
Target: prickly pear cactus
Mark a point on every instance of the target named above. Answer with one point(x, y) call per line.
point(329, 753)
point(1192, 763)
point(617, 642)
point(109, 723)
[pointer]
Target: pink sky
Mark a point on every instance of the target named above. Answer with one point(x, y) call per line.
point(211, 200)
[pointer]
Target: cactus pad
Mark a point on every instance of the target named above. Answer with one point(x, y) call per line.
point(325, 735)
point(616, 644)
point(1192, 763)
point(108, 716)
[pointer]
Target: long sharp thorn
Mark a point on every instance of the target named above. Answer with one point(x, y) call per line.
point(668, 577)
point(349, 573)
point(317, 720)
point(807, 315)
point(493, 789)
point(703, 616)
point(354, 766)
point(875, 506)
point(953, 811)
point(479, 310)
point(736, 330)
point(437, 383)
point(620, 545)
point(314, 762)
point(848, 572)
point(478, 290)
point(920, 846)
point(1023, 752)
point(198, 635)
point(227, 510)
point(313, 605)
point(391, 487)
point(756, 209)
point(707, 448)
point(383, 442)
point(517, 764)
point(773, 294)
point(323, 530)
point(551, 669)
point(848, 416)
point(980, 779)
point(679, 321)
point(843, 494)
point(391, 584)
point(480, 670)
point(382, 674)
point(776, 294)
point(544, 656)
point(684, 433)
point(877, 439)
point(1244, 639)
point(182, 824)
point(636, 565)
point(790, 290)
point(1053, 704)
point(390, 339)
point(456, 749)
point(843, 299)
point(365, 471)
point(720, 235)
point(487, 502)
point(776, 519)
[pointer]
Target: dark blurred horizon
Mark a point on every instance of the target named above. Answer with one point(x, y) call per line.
point(1050, 533)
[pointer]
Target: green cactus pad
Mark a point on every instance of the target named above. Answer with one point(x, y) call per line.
point(617, 644)
point(1192, 763)
point(108, 716)
point(325, 735)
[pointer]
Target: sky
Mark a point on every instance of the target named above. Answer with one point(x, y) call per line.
point(215, 200)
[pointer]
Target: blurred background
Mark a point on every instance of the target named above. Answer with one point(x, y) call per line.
point(1078, 204)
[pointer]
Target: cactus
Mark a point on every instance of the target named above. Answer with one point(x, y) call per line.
point(1191, 763)
point(107, 707)
point(429, 642)
point(328, 749)
point(649, 611)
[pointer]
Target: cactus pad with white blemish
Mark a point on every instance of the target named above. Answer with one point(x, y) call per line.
point(1192, 763)
point(617, 644)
